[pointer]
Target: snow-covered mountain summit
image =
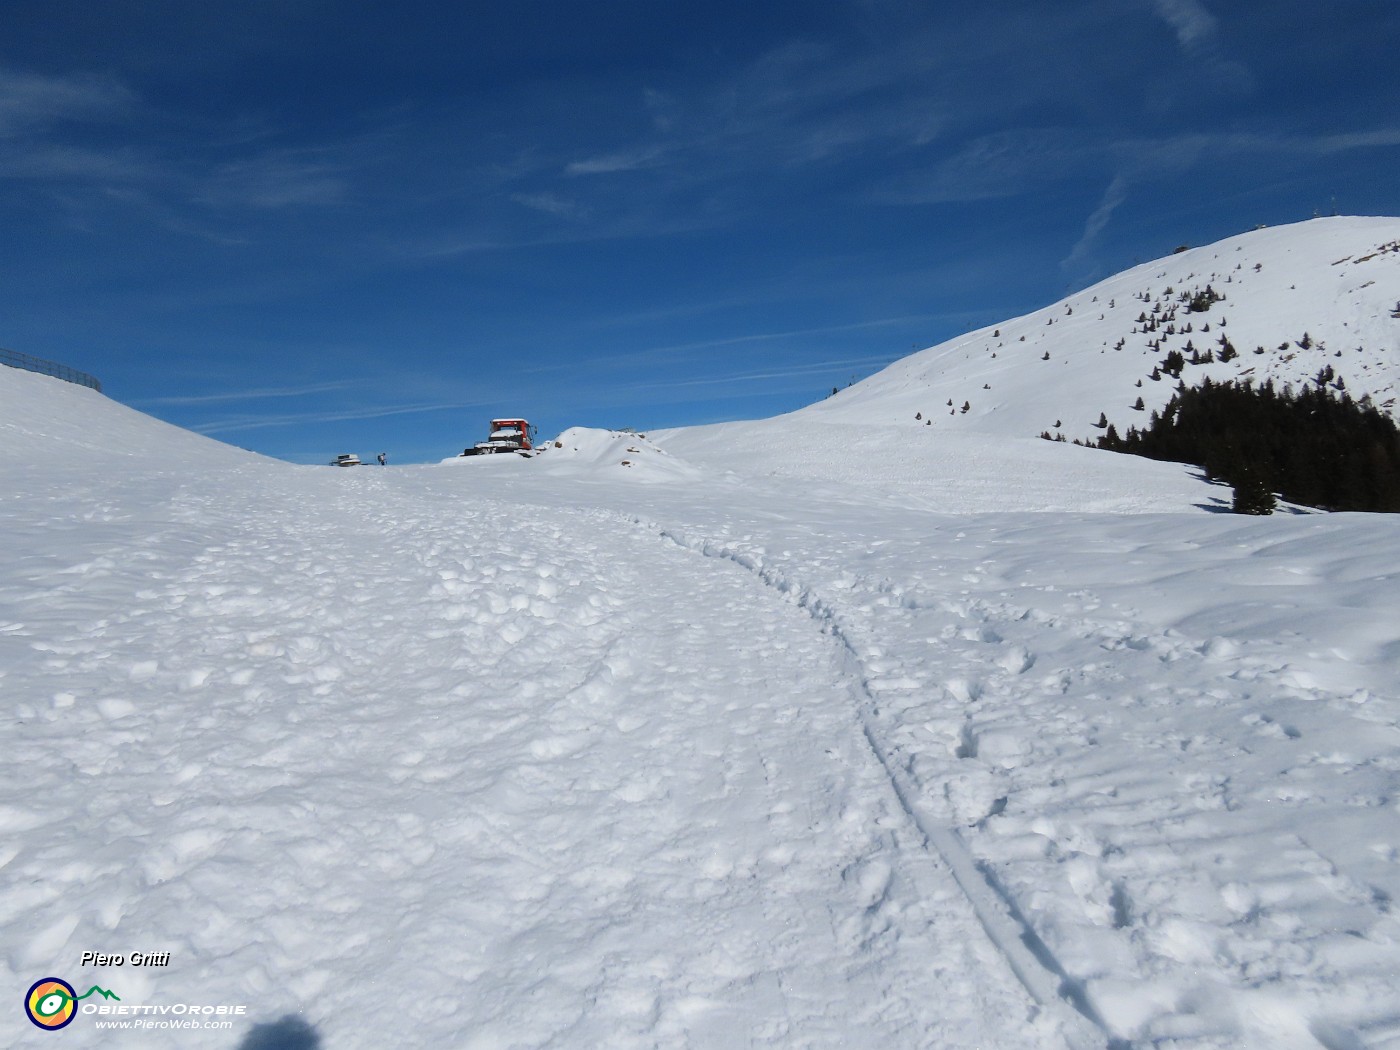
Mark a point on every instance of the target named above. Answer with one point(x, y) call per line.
point(1291, 301)
point(955, 427)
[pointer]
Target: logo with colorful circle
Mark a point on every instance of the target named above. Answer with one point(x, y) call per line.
point(51, 1002)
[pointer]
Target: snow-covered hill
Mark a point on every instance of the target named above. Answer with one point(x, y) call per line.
point(47, 423)
point(1292, 301)
point(951, 424)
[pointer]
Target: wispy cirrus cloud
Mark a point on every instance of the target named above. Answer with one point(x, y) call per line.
point(799, 103)
point(619, 161)
point(274, 180)
point(709, 147)
point(33, 111)
point(54, 133)
point(549, 203)
point(1021, 160)
point(29, 101)
point(703, 349)
point(249, 395)
point(793, 371)
point(1198, 35)
point(51, 160)
point(999, 164)
point(1196, 28)
point(763, 337)
point(1114, 196)
point(1146, 159)
point(235, 424)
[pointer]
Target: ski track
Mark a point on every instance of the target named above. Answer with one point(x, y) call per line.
point(565, 753)
point(1033, 965)
point(524, 791)
point(1158, 915)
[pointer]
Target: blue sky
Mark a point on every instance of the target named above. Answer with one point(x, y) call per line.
point(317, 226)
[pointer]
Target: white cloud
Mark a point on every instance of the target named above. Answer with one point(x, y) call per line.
point(248, 395)
point(809, 368)
point(260, 422)
point(1195, 26)
point(1001, 164)
point(607, 163)
point(271, 181)
point(28, 100)
point(1198, 36)
point(1115, 195)
point(48, 161)
point(549, 203)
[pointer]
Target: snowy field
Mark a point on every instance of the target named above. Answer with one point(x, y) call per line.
point(574, 752)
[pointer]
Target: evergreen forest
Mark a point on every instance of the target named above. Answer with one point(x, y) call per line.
point(1318, 448)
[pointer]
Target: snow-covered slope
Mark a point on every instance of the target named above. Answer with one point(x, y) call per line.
point(1333, 284)
point(45, 422)
point(949, 425)
point(953, 473)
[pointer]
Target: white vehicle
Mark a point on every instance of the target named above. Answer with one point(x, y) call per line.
point(346, 459)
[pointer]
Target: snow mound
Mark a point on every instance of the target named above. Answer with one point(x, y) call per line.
point(593, 453)
point(608, 453)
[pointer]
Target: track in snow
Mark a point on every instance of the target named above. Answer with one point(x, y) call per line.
point(337, 747)
point(1028, 957)
point(1101, 828)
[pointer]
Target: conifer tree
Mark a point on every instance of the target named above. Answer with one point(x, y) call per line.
point(1251, 495)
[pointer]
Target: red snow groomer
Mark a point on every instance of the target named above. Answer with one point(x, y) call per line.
point(507, 435)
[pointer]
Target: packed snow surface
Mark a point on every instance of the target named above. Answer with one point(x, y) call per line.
point(713, 739)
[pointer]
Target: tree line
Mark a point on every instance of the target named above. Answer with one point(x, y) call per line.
point(1316, 447)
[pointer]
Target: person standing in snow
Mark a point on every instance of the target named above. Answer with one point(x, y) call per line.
point(383, 458)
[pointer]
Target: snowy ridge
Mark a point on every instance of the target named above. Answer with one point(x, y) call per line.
point(1332, 283)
